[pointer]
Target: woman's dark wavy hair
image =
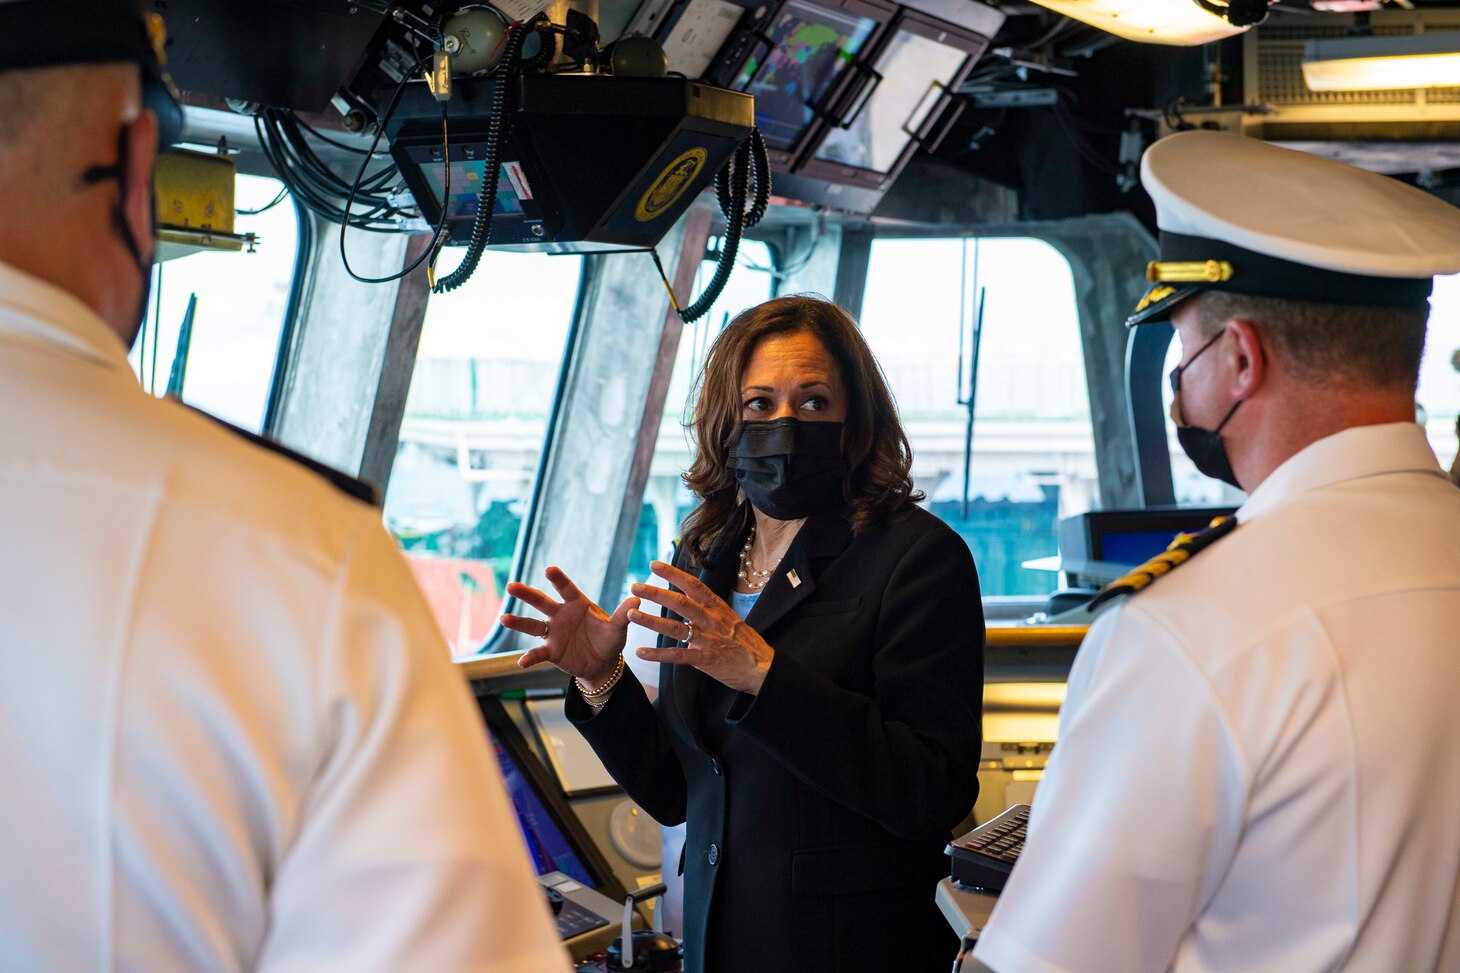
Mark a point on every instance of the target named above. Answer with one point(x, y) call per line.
point(878, 482)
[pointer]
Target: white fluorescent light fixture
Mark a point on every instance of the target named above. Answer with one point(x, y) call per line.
point(1383, 63)
point(1179, 22)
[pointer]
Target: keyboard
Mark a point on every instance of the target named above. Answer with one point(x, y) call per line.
point(983, 858)
point(574, 920)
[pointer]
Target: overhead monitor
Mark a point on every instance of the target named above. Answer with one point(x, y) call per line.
point(853, 157)
point(806, 64)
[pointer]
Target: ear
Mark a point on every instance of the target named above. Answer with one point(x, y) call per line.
point(1247, 358)
point(137, 199)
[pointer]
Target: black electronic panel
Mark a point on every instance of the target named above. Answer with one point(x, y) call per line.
point(281, 53)
point(551, 831)
point(585, 162)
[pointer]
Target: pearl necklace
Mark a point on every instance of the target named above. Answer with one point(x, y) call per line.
point(753, 579)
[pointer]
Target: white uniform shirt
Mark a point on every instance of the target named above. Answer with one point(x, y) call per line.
point(230, 738)
point(1258, 766)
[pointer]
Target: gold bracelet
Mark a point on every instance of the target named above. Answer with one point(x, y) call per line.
point(591, 695)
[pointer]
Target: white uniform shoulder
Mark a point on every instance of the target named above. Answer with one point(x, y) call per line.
point(193, 463)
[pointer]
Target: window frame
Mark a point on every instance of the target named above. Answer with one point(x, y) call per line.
point(1123, 469)
point(526, 534)
point(303, 257)
point(298, 286)
point(1003, 607)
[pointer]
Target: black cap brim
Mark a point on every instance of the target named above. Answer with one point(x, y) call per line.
point(1262, 275)
point(1161, 308)
point(44, 33)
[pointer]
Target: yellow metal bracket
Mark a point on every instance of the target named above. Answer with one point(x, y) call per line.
point(195, 204)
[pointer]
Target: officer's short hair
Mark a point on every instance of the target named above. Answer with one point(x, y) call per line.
point(21, 97)
point(52, 97)
point(1328, 344)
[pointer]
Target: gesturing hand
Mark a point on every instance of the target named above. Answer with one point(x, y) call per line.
point(578, 637)
point(720, 644)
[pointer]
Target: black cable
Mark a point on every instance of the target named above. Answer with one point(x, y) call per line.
point(278, 198)
point(325, 138)
point(310, 163)
point(659, 265)
point(547, 46)
point(317, 187)
point(732, 184)
point(762, 174)
point(481, 228)
point(445, 195)
point(292, 127)
point(750, 164)
point(319, 200)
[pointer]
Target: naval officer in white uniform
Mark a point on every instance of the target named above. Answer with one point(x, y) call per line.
point(230, 737)
point(1257, 767)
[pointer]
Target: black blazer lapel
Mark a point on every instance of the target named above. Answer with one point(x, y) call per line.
point(823, 536)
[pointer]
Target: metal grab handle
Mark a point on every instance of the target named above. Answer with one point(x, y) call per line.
point(950, 118)
point(871, 79)
point(918, 136)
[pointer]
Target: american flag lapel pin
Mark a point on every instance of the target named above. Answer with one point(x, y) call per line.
point(794, 578)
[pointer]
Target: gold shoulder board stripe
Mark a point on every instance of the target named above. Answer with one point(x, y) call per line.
point(1182, 549)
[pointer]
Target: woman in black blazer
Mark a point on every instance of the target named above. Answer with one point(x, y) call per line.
point(818, 719)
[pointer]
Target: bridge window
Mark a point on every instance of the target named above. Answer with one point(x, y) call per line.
point(239, 316)
point(666, 499)
point(1032, 456)
point(1439, 377)
point(476, 420)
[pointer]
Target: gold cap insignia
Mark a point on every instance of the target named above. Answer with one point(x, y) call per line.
point(1190, 271)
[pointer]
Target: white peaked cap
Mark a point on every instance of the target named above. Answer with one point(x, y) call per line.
point(1299, 207)
point(1240, 215)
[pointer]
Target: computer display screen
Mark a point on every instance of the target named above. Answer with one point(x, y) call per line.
point(812, 46)
point(1134, 546)
point(549, 847)
point(466, 184)
point(1096, 543)
point(900, 106)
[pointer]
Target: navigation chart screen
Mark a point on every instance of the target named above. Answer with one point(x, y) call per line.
point(546, 843)
point(813, 45)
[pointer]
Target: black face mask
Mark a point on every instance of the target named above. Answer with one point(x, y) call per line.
point(1204, 447)
point(789, 469)
point(120, 226)
point(1207, 452)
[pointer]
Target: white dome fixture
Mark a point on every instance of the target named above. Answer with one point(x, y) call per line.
point(1175, 22)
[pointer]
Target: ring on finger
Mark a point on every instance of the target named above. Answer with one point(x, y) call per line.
point(689, 633)
point(547, 628)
